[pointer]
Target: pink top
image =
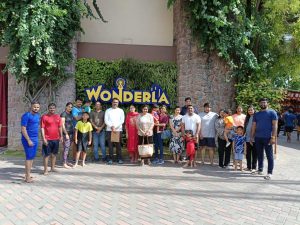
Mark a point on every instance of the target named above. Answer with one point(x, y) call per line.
point(238, 120)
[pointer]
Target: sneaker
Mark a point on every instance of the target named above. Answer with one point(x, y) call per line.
point(110, 162)
point(155, 161)
point(260, 173)
point(120, 161)
point(227, 167)
point(253, 171)
point(160, 162)
point(227, 144)
point(268, 176)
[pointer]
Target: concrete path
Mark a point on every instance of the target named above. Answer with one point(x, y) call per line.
point(169, 194)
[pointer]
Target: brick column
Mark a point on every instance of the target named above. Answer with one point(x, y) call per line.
point(201, 76)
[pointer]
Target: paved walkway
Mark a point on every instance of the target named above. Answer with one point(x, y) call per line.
point(129, 194)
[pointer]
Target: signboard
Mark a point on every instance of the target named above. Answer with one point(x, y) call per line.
point(156, 95)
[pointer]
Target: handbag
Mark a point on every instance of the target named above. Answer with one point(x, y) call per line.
point(145, 150)
point(166, 134)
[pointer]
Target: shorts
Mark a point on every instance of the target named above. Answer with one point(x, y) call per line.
point(30, 151)
point(51, 148)
point(289, 129)
point(208, 142)
point(82, 146)
point(238, 156)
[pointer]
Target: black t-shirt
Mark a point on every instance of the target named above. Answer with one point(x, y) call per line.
point(68, 121)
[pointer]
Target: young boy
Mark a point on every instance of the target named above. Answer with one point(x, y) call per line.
point(87, 106)
point(228, 120)
point(239, 146)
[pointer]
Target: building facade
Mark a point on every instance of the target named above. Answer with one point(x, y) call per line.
point(144, 30)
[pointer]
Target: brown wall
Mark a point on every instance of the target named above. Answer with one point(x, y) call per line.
point(109, 52)
point(3, 54)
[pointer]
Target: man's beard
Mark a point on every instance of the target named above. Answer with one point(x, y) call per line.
point(263, 107)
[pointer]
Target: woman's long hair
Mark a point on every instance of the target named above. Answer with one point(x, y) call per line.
point(248, 115)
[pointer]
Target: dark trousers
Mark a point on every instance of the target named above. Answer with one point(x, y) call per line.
point(110, 147)
point(223, 151)
point(158, 145)
point(262, 144)
point(251, 156)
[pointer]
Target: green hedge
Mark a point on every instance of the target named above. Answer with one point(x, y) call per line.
point(139, 75)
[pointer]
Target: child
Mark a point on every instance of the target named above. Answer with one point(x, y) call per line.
point(239, 145)
point(228, 120)
point(87, 106)
point(190, 148)
point(83, 137)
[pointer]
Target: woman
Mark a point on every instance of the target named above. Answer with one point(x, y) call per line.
point(176, 142)
point(220, 130)
point(158, 142)
point(132, 134)
point(251, 154)
point(145, 124)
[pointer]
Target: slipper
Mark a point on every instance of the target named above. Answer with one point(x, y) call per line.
point(28, 181)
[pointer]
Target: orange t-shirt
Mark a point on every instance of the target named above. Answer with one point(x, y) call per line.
point(228, 122)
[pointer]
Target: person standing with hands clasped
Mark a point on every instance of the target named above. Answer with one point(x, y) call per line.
point(114, 118)
point(264, 131)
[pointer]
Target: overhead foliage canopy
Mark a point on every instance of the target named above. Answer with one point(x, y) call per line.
point(258, 38)
point(38, 34)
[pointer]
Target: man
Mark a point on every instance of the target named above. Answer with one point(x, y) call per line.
point(97, 120)
point(30, 132)
point(191, 121)
point(114, 118)
point(77, 114)
point(184, 109)
point(289, 121)
point(207, 134)
point(264, 131)
point(51, 126)
point(239, 117)
point(68, 132)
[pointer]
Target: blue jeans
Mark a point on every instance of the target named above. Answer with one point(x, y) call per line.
point(99, 140)
point(262, 144)
point(158, 144)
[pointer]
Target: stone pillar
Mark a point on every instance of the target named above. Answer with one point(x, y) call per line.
point(16, 106)
point(202, 76)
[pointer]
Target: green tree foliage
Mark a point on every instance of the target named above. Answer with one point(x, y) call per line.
point(251, 35)
point(139, 75)
point(38, 34)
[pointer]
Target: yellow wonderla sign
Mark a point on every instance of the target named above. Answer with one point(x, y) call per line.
point(156, 95)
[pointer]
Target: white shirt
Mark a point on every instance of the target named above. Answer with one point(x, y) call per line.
point(208, 124)
point(114, 118)
point(191, 122)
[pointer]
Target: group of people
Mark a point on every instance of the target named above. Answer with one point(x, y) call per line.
point(187, 130)
point(289, 121)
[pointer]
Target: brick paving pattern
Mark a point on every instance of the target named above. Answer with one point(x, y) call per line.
point(169, 194)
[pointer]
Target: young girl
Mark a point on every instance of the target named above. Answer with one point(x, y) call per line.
point(190, 148)
point(239, 145)
point(83, 137)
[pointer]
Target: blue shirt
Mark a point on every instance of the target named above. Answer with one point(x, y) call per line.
point(264, 124)
point(239, 142)
point(76, 112)
point(32, 122)
point(289, 119)
point(298, 119)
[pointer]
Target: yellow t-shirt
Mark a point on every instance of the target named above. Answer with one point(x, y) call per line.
point(83, 127)
point(228, 122)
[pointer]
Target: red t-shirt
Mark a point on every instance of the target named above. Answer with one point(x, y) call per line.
point(51, 125)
